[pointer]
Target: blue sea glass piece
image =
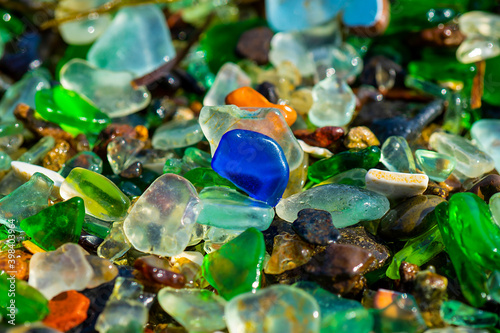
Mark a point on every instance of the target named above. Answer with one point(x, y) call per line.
point(290, 15)
point(254, 162)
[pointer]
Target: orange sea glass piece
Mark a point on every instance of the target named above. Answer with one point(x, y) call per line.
point(67, 310)
point(16, 263)
point(248, 97)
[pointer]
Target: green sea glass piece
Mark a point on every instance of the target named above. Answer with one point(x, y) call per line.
point(36, 153)
point(329, 167)
point(66, 107)
point(206, 177)
point(494, 286)
point(353, 177)
point(19, 302)
point(237, 266)
point(435, 165)
point(397, 155)
point(457, 313)
point(418, 251)
point(56, 225)
point(197, 310)
point(96, 227)
point(471, 276)
point(229, 209)
point(5, 161)
point(25, 201)
point(102, 198)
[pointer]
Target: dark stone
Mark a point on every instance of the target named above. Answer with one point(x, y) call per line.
point(37, 126)
point(268, 90)
point(430, 292)
point(359, 237)
point(316, 227)
point(89, 242)
point(486, 187)
point(254, 44)
point(340, 262)
point(188, 82)
point(410, 218)
point(108, 134)
point(409, 128)
point(134, 170)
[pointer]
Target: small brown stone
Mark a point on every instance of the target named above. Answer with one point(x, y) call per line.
point(289, 252)
point(159, 271)
point(430, 292)
point(340, 262)
point(435, 189)
point(486, 187)
point(322, 137)
point(359, 237)
point(448, 35)
point(360, 137)
point(57, 156)
point(80, 143)
point(39, 127)
point(254, 44)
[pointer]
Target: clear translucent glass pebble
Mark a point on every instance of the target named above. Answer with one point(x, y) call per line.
point(486, 135)
point(471, 161)
point(177, 134)
point(110, 91)
point(475, 23)
point(435, 165)
point(270, 310)
point(138, 41)
point(334, 103)
point(397, 155)
point(477, 49)
point(85, 30)
point(61, 270)
point(162, 220)
point(195, 309)
point(229, 77)
point(288, 47)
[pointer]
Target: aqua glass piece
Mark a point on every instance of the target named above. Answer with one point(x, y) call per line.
point(85, 159)
point(110, 91)
point(36, 153)
point(25, 201)
point(435, 165)
point(457, 313)
point(138, 41)
point(229, 209)
point(4, 161)
point(23, 91)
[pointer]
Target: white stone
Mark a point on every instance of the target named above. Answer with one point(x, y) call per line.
point(396, 185)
